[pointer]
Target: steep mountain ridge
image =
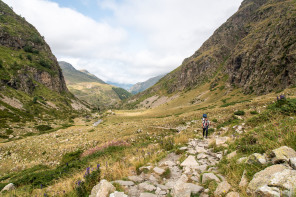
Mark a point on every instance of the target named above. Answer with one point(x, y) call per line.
point(90, 88)
point(32, 85)
point(141, 86)
point(254, 50)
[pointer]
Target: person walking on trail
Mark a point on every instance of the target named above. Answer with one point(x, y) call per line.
point(205, 125)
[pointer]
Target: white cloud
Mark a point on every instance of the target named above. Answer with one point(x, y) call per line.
point(139, 40)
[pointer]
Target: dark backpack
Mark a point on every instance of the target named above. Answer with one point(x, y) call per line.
point(204, 116)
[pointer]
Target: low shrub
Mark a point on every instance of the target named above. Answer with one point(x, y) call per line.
point(239, 113)
point(43, 127)
point(254, 112)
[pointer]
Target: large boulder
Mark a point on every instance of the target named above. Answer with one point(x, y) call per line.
point(276, 176)
point(222, 189)
point(282, 154)
point(103, 189)
point(8, 187)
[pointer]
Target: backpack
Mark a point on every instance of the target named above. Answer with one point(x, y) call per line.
point(204, 116)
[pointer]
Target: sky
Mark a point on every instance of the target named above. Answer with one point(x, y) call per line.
point(125, 41)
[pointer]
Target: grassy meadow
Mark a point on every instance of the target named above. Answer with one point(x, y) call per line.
point(53, 162)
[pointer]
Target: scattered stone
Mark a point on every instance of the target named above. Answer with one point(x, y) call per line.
point(147, 195)
point(244, 181)
point(222, 188)
point(221, 140)
point(209, 177)
point(232, 194)
point(200, 149)
point(241, 160)
point(152, 179)
point(266, 191)
point(102, 189)
point(282, 154)
point(195, 189)
point(190, 162)
point(231, 155)
point(158, 170)
point(135, 178)
point(202, 168)
point(183, 148)
point(8, 187)
point(292, 162)
point(256, 158)
point(125, 183)
point(148, 168)
point(118, 194)
point(147, 187)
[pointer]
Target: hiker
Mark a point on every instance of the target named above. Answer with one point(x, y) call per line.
point(205, 125)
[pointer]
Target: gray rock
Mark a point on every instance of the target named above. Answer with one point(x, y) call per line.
point(231, 155)
point(202, 168)
point(266, 191)
point(170, 184)
point(279, 176)
point(162, 187)
point(8, 187)
point(292, 162)
point(195, 189)
point(102, 189)
point(222, 188)
point(256, 158)
point(147, 187)
point(209, 177)
point(148, 168)
point(153, 179)
point(118, 194)
point(244, 181)
point(190, 162)
point(158, 170)
point(241, 160)
point(282, 154)
point(200, 149)
point(183, 148)
point(232, 194)
point(147, 195)
point(135, 178)
point(124, 183)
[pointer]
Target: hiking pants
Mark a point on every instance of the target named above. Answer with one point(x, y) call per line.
point(205, 132)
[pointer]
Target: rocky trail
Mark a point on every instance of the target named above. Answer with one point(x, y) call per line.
point(169, 177)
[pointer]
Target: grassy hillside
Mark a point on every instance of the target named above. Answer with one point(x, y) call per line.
point(91, 89)
point(254, 50)
point(33, 91)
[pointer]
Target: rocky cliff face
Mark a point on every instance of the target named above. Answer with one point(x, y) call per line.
point(254, 50)
point(26, 59)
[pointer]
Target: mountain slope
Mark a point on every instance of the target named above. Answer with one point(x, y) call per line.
point(75, 76)
point(254, 50)
point(32, 84)
point(90, 88)
point(141, 86)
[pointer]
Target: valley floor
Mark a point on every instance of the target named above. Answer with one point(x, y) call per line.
point(126, 140)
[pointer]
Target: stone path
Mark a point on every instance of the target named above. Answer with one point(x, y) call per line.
point(170, 176)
